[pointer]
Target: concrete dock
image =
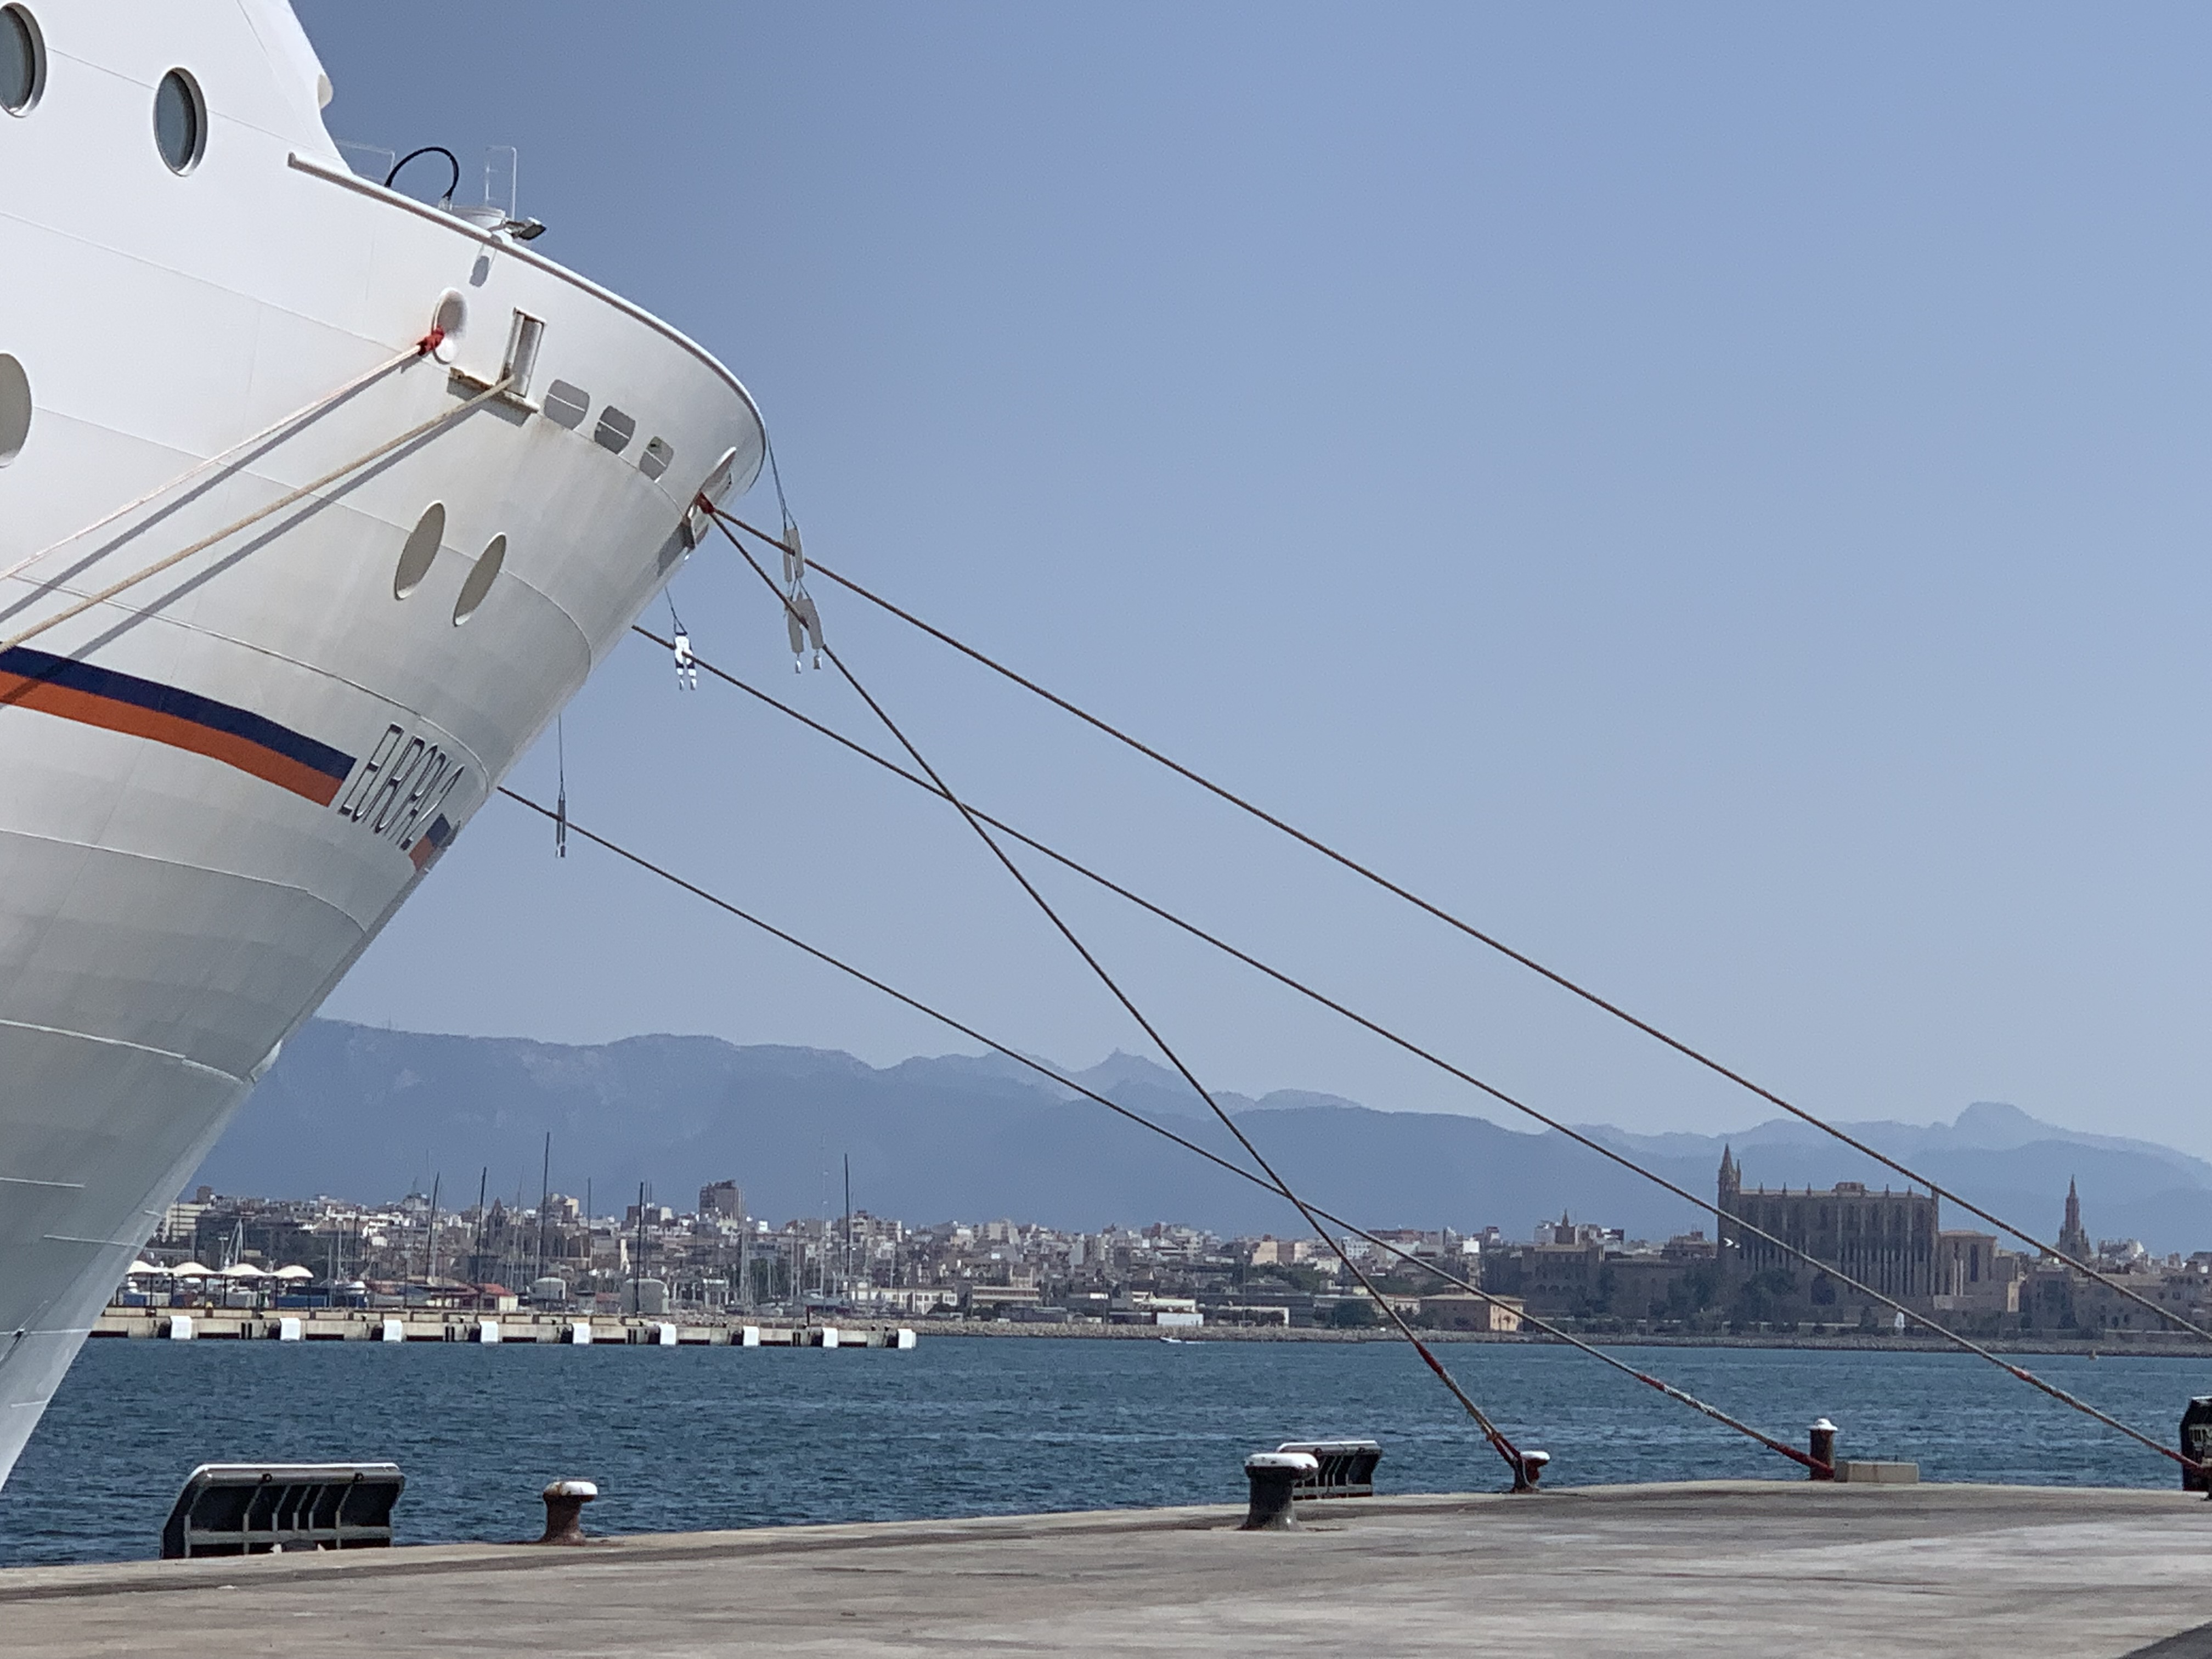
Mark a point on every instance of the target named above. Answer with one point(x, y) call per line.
point(1717, 1568)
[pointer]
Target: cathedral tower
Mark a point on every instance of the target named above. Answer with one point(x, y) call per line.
point(2072, 1239)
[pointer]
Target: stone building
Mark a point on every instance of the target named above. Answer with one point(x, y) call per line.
point(1977, 1281)
point(1456, 1310)
point(1886, 1241)
point(1561, 1273)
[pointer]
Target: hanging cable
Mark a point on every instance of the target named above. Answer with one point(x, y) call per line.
point(1705, 1205)
point(290, 498)
point(422, 347)
point(560, 799)
point(1526, 1467)
point(1388, 1246)
point(1531, 963)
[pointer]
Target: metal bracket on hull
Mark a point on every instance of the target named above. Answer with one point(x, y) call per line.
point(476, 385)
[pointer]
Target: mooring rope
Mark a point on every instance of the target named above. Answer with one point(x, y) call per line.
point(1524, 1475)
point(422, 347)
point(1043, 1070)
point(1492, 942)
point(290, 498)
point(936, 785)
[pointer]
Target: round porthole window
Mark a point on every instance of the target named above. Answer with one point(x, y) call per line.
point(14, 407)
point(22, 61)
point(480, 581)
point(422, 549)
point(179, 121)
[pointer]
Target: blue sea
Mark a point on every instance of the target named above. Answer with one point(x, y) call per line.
point(684, 1438)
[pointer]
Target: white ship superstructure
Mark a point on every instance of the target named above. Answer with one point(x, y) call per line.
point(218, 782)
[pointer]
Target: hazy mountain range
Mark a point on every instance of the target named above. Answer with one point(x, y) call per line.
point(367, 1113)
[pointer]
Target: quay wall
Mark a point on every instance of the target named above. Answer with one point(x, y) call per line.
point(441, 1325)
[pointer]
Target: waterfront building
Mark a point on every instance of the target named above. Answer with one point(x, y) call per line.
point(1458, 1311)
point(1885, 1240)
point(1562, 1275)
point(1977, 1281)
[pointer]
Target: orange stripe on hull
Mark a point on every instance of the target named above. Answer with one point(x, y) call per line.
point(88, 709)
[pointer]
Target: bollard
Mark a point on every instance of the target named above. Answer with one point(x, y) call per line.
point(1823, 1446)
point(1531, 1470)
point(2197, 1445)
point(564, 1510)
point(1273, 1476)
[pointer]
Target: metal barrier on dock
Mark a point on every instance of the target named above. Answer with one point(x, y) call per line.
point(1342, 1468)
point(258, 1508)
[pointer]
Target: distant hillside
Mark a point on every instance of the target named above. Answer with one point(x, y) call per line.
point(368, 1113)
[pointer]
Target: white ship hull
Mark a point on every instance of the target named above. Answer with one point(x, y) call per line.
point(216, 788)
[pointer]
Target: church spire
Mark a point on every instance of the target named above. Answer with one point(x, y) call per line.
point(2073, 1237)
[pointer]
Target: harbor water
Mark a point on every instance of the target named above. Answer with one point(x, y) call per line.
point(687, 1438)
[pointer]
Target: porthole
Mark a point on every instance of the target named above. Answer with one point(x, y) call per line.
point(567, 405)
point(480, 581)
point(615, 429)
point(451, 317)
point(179, 121)
point(22, 61)
point(14, 407)
point(421, 550)
point(655, 460)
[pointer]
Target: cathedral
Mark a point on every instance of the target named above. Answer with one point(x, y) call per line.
point(1886, 1241)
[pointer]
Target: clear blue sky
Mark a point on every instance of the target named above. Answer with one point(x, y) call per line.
point(1717, 494)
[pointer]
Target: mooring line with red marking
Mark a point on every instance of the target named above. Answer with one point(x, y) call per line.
point(289, 498)
point(1966, 1344)
point(422, 348)
point(1520, 957)
point(1525, 1469)
point(1293, 983)
point(1137, 1118)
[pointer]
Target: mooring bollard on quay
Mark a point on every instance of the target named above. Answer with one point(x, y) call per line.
point(1821, 1445)
point(564, 1510)
point(2196, 1444)
point(1274, 1477)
